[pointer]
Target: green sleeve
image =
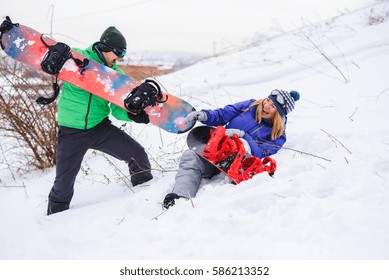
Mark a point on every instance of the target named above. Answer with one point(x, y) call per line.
point(119, 113)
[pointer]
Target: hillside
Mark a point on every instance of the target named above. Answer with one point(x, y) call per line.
point(328, 199)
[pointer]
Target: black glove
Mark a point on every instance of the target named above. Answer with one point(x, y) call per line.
point(6, 24)
point(141, 117)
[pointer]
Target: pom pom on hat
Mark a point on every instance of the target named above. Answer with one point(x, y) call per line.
point(284, 101)
point(295, 95)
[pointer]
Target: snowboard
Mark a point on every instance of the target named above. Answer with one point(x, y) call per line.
point(198, 138)
point(25, 45)
point(239, 166)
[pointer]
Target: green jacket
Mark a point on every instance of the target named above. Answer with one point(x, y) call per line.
point(80, 109)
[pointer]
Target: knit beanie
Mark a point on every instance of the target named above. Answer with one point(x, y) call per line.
point(113, 38)
point(284, 101)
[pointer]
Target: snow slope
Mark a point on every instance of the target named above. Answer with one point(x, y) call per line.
point(328, 199)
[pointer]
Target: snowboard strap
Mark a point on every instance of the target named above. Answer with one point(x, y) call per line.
point(47, 100)
point(235, 169)
point(269, 165)
point(52, 64)
point(250, 166)
point(219, 146)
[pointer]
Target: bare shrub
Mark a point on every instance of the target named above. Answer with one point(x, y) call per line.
point(319, 43)
point(31, 127)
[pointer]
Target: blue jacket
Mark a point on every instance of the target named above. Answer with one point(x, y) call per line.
point(258, 135)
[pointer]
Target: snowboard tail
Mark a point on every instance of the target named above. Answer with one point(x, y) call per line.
point(30, 47)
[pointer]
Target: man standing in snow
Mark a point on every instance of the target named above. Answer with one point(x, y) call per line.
point(84, 124)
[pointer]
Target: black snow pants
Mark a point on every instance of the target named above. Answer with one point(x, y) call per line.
point(73, 145)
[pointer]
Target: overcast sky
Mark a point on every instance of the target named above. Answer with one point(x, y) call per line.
point(201, 26)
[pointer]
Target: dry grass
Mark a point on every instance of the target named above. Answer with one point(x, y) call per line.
point(32, 127)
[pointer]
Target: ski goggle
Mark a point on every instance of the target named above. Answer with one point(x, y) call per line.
point(119, 52)
point(280, 99)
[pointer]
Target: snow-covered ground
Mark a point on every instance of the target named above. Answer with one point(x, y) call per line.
point(328, 199)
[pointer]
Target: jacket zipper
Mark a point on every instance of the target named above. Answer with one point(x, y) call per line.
point(87, 112)
point(257, 129)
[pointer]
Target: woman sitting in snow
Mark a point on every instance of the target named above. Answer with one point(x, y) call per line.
point(259, 124)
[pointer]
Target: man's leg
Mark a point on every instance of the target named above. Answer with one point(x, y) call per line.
point(117, 143)
point(70, 152)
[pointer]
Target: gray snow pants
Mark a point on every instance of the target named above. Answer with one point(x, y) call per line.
point(73, 145)
point(192, 168)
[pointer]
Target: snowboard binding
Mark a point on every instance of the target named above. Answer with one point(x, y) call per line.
point(56, 57)
point(250, 166)
point(229, 154)
point(146, 94)
point(52, 64)
point(220, 146)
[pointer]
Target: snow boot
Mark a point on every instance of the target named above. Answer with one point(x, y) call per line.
point(55, 207)
point(169, 200)
point(140, 178)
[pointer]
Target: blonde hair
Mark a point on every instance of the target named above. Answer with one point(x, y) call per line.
point(278, 123)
